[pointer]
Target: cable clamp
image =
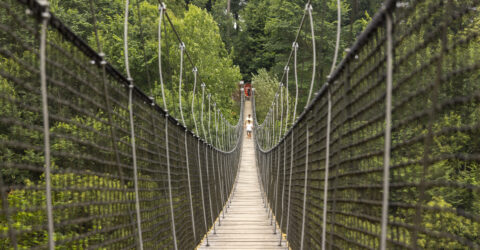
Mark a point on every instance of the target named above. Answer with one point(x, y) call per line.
point(162, 6)
point(152, 100)
point(182, 46)
point(195, 70)
point(203, 85)
point(46, 15)
point(295, 45)
point(308, 7)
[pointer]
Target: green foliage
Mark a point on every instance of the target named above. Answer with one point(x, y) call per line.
point(197, 29)
point(265, 86)
point(29, 211)
point(202, 39)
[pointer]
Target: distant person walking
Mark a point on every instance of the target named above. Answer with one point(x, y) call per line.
point(249, 129)
point(249, 126)
point(249, 118)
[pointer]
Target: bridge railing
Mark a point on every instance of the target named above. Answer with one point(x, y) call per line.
point(387, 154)
point(89, 161)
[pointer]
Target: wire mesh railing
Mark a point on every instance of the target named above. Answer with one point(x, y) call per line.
point(387, 155)
point(87, 160)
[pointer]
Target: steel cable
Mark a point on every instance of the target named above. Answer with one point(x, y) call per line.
point(46, 126)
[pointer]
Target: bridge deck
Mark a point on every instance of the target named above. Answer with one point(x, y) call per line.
point(246, 224)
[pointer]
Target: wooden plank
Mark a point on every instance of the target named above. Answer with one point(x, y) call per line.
point(246, 224)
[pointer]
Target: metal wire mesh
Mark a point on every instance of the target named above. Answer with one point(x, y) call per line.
point(92, 181)
point(433, 189)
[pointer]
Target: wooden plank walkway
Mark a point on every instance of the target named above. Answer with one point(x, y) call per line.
point(246, 224)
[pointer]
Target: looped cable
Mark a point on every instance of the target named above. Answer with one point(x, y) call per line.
point(337, 43)
point(195, 72)
point(182, 49)
point(309, 9)
point(287, 69)
point(209, 117)
point(295, 50)
point(125, 41)
point(281, 112)
point(162, 7)
point(276, 118)
point(201, 117)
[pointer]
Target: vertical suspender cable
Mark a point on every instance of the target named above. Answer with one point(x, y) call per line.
point(135, 170)
point(287, 69)
point(189, 188)
point(132, 128)
point(305, 189)
point(125, 41)
point(46, 125)
point(113, 135)
point(219, 163)
point(201, 189)
point(201, 116)
point(167, 149)
point(309, 10)
point(212, 158)
point(195, 72)
point(208, 187)
point(161, 8)
point(337, 43)
point(276, 190)
point(209, 119)
point(290, 182)
point(182, 49)
point(283, 186)
point(206, 158)
point(388, 132)
point(329, 120)
point(295, 73)
point(277, 138)
point(327, 165)
point(281, 112)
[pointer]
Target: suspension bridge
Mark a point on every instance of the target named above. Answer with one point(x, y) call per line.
point(385, 155)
